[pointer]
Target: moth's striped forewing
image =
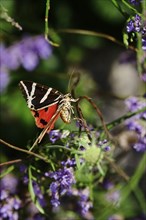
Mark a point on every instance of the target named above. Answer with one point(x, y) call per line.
point(42, 101)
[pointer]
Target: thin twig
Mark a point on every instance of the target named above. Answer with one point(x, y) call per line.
point(117, 168)
point(46, 129)
point(96, 34)
point(7, 18)
point(80, 114)
point(22, 150)
point(109, 136)
point(10, 162)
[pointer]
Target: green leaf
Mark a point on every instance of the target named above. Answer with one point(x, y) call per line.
point(7, 171)
point(125, 39)
point(32, 193)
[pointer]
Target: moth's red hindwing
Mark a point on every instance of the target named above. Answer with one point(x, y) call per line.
point(43, 116)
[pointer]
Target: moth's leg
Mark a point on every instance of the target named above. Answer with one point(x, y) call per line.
point(109, 136)
point(81, 117)
point(46, 129)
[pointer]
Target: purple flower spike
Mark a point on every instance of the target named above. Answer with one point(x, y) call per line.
point(42, 47)
point(54, 135)
point(137, 122)
point(9, 205)
point(39, 194)
point(64, 179)
point(84, 202)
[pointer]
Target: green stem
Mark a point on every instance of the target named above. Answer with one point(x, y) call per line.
point(46, 24)
point(123, 118)
point(132, 185)
point(46, 19)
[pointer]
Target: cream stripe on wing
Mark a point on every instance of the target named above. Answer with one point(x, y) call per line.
point(25, 88)
point(29, 97)
point(46, 95)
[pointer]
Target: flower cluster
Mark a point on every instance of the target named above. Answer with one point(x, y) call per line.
point(135, 25)
point(84, 202)
point(63, 181)
point(25, 53)
point(10, 203)
point(55, 135)
point(104, 144)
point(135, 2)
point(137, 123)
point(39, 194)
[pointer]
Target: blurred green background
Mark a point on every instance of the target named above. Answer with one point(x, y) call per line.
point(90, 56)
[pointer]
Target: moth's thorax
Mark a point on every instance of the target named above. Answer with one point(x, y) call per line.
point(66, 108)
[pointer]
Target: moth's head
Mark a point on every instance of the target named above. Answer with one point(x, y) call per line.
point(68, 97)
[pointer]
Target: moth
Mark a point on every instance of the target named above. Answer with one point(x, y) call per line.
point(47, 105)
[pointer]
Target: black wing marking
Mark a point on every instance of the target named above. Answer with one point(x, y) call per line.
point(39, 96)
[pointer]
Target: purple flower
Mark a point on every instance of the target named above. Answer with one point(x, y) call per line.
point(144, 43)
point(143, 115)
point(108, 185)
point(116, 217)
point(13, 55)
point(9, 206)
point(69, 163)
point(42, 47)
point(143, 77)
point(137, 123)
point(4, 78)
point(9, 182)
point(107, 148)
point(38, 216)
point(113, 196)
point(141, 145)
point(64, 179)
point(29, 60)
point(31, 49)
point(54, 135)
point(39, 194)
point(104, 145)
point(134, 25)
point(3, 194)
point(26, 52)
point(134, 126)
point(84, 202)
point(130, 26)
point(55, 199)
point(134, 104)
point(135, 2)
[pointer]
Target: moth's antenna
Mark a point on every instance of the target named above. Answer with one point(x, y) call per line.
point(73, 81)
point(71, 73)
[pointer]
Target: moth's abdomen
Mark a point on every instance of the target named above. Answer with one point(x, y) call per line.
point(65, 115)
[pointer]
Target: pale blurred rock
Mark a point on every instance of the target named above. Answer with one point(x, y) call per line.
point(124, 80)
